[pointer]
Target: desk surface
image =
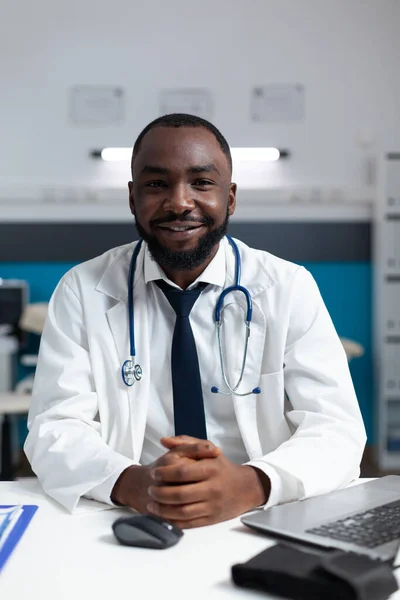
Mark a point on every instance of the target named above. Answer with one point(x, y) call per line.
point(64, 557)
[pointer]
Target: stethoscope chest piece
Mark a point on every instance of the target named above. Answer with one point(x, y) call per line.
point(131, 372)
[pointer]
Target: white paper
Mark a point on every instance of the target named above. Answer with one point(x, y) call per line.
point(278, 103)
point(192, 101)
point(8, 518)
point(97, 105)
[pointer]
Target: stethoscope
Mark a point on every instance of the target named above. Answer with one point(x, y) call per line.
point(132, 372)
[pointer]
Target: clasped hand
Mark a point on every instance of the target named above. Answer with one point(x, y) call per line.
point(191, 485)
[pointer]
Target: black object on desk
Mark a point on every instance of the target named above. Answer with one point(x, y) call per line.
point(146, 531)
point(6, 466)
point(299, 574)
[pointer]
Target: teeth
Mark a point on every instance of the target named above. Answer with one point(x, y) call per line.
point(179, 228)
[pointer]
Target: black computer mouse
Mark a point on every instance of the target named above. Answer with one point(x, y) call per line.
point(146, 531)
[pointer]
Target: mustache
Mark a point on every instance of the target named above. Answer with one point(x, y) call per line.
point(172, 218)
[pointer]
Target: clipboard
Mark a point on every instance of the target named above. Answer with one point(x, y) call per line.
point(28, 510)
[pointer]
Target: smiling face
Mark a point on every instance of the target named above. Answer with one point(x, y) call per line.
point(181, 196)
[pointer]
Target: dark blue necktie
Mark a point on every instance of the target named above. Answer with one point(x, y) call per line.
point(189, 415)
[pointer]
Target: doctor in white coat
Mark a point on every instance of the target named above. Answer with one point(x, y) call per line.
point(93, 436)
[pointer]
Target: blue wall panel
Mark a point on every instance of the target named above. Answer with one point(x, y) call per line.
point(42, 277)
point(347, 292)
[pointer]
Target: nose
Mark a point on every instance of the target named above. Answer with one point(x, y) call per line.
point(179, 199)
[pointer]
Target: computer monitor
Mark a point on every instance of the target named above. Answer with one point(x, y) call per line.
point(14, 296)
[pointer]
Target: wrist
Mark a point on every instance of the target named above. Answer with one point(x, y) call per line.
point(259, 486)
point(126, 485)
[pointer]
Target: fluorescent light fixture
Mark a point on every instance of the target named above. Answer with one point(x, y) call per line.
point(116, 154)
point(255, 154)
point(238, 154)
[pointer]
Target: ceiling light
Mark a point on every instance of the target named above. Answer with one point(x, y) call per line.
point(255, 154)
point(238, 154)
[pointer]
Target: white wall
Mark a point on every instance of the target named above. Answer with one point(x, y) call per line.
point(345, 52)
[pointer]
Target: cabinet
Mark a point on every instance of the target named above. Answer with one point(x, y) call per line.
point(387, 313)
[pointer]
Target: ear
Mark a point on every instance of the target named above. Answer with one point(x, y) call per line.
point(232, 199)
point(131, 201)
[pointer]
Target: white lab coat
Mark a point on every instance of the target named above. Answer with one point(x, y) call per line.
point(86, 426)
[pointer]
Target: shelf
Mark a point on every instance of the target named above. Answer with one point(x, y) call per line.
point(392, 398)
point(387, 312)
point(392, 339)
point(392, 278)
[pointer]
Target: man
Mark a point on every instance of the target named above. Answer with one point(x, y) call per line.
point(297, 431)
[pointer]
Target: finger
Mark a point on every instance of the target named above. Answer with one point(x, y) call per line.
point(196, 450)
point(200, 522)
point(180, 494)
point(184, 472)
point(171, 458)
point(182, 512)
point(171, 442)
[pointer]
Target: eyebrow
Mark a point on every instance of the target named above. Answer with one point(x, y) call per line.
point(157, 170)
point(154, 170)
point(210, 168)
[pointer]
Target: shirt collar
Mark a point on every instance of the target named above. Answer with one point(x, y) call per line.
point(214, 273)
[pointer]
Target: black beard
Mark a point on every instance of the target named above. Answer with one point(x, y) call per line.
point(184, 260)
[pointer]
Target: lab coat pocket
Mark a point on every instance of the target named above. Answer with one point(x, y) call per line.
point(272, 406)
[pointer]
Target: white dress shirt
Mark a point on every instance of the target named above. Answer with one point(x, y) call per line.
point(221, 422)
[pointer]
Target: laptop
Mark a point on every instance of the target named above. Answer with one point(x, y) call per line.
point(364, 519)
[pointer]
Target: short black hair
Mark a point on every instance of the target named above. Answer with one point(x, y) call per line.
point(184, 120)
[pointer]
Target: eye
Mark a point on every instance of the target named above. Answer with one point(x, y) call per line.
point(155, 184)
point(202, 183)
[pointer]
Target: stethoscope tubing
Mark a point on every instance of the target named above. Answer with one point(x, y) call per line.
point(132, 372)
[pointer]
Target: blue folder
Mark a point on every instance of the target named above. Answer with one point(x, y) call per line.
point(28, 510)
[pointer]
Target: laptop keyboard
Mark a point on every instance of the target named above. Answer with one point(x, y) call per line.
point(370, 529)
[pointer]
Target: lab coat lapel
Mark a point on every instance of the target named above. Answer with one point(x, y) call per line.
point(246, 406)
point(139, 392)
point(117, 317)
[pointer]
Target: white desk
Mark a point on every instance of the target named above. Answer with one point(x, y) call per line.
point(12, 403)
point(64, 557)
point(74, 557)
